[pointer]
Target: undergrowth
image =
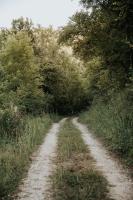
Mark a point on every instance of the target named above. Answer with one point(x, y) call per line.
point(113, 122)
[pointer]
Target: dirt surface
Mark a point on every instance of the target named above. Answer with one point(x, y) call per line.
point(121, 186)
point(36, 185)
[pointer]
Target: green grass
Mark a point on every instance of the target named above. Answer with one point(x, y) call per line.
point(75, 177)
point(113, 123)
point(15, 153)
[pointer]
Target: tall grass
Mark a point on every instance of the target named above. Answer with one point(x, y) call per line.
point(113, 122)
point(75, 177)
point(15, 152)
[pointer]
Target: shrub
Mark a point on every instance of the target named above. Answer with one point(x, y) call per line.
point(10, 122)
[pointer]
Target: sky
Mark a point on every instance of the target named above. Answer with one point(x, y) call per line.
point(43, 12)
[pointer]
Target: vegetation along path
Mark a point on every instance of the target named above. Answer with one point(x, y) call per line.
point(121, 185)
point(36, 184)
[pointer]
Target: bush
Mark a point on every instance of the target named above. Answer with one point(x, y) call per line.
point(10, 122)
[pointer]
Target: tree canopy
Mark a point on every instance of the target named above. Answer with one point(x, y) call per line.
point(38, 74)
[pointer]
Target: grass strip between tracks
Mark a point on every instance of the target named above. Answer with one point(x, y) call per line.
point(76, 177)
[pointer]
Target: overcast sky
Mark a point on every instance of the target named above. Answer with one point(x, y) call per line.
point(44, 12)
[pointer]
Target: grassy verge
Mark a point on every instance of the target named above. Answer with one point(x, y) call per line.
point(15, 153)
point(113, 122)
point(75, 177)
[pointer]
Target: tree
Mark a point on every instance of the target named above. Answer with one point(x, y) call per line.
point(60, 73)
point(39, 75)
point(106, 32)
point(22, 79)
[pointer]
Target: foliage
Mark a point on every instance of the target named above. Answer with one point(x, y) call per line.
point(104, 32)
point(64, 88)
point(38, 74)
point(10, 122)
point(21, 78)
point(61, 74)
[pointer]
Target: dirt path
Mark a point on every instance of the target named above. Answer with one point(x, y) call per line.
point(121, 186)
point(36, 185)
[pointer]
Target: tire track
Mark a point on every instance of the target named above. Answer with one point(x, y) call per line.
point(36, 185)
point(121, 187)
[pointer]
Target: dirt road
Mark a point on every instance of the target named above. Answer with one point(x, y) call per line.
point(36, 185)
